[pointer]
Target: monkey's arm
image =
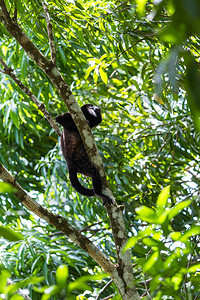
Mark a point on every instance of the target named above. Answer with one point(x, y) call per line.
point(66, 121)
point(77, 186)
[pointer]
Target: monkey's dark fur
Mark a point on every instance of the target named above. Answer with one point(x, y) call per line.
point(75, 154)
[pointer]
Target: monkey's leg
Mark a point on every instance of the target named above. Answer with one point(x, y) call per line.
point(97, 186)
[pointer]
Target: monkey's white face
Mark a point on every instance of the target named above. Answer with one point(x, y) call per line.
point(93, 110)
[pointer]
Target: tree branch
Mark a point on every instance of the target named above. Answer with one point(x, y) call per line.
point(8, 71)
point(79, 239)
point(50, 32)
point(58, 221)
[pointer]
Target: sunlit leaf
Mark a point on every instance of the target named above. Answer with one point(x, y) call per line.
point(151, 261)
point(178, 207)
point(141, 6)
point(146, 214)
point(195, 230)
point(195, 268)
point(103, 75)
point(61, 276)
point(161, 202)
point(130, 243)
point(4, 274)
point(10, 234)
point(6, 188)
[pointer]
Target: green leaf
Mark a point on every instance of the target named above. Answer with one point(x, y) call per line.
point(195, 230)
point(130, 243)
point(141, 6)
point(80, 284)
point(175, 236)
point(24, 283)
point(49, 292)
point(153, 243)
point(146, 214)
point(10, 234)
point(103, 75)
point(194, 268)
point(148, 265)
point(6, 188)
point(161, 202)
point(61, 276)
point(4, 275)
point(62, 55)
point(89, 70)
point(178, 207)
point(95, 75)
point(77, 285)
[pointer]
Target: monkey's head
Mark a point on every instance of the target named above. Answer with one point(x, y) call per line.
point(92, 114)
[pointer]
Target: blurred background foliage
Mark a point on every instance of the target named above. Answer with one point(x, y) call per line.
point(139, 61)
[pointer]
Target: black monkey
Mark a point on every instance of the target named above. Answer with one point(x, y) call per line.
point(75, 154)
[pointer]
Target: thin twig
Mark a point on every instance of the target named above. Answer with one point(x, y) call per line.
point(8, 71)
point(147, 290)
point(89, 226)
point(166, 139)
point(140, 40)
point(103, 289)
point(121, 4)
point(173, 154)
point(125, 8)
point(147, 135)
point(109, 297)
point(50, 32)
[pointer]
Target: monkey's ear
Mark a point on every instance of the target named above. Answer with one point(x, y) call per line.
point(65, 120)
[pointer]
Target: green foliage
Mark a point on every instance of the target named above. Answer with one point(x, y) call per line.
point(137, 60)
point(10, 291)
point(168, 256)
point(10, 234)
point(60, 290)
point(34, 261)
